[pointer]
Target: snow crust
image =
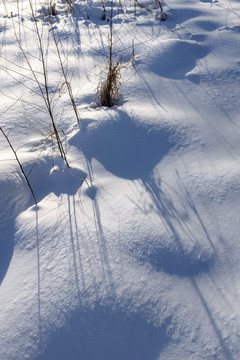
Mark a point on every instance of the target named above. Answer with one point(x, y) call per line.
point(133, 252)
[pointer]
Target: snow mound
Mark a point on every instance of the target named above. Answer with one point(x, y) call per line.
point(49, 175)
point(117, 335)
point(161, 238)
point(135, 147)
point(174, 58)
point(169, 254)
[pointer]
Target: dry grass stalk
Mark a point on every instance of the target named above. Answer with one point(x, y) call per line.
point(108, 93)
point(20, 165)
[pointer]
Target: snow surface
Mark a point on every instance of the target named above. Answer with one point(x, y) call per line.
point(133, 252)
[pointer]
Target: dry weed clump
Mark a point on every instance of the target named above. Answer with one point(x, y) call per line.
point(108, 92)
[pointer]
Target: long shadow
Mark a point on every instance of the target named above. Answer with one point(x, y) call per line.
point(74, 247)
point(174, 258)
point(228, 355)
point(39, 281)
point(91, 192)
point(78, 244)
point(84, 245)
point(148, 85)
point(104, 330)
point(76, 16)
point(103, 248)
point(195, 211)
point(215, 129)
point(130, 149)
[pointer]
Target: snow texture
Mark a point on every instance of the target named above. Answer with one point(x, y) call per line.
point(132, 252)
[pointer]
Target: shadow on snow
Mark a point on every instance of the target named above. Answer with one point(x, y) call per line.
point(125, 147)
point(107, 333)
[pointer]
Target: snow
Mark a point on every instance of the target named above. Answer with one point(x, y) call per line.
point(133, 251)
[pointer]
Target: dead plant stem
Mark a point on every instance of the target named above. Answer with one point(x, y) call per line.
point(19, 163)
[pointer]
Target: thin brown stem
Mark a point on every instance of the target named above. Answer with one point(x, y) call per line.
point(19, 163)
